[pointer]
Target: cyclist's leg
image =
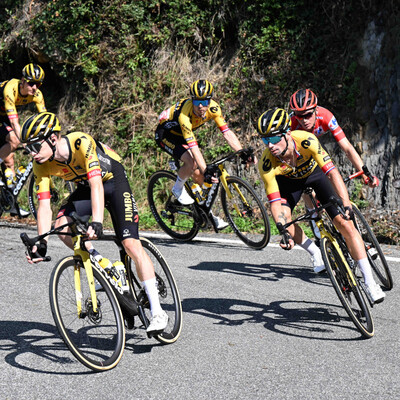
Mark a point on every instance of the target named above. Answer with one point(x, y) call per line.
point(177, 147)
point(122, 206)
point(8, 144)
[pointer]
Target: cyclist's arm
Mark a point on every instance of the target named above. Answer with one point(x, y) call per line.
point(16, 127)
point(232, 140)
point(44, 216)
point(339, 186)
point(354, 158)
point(97, 198)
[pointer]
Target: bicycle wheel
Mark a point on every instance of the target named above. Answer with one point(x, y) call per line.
point(246, 213)
point(168, 293)
point(174, 219)
point(97, 340)
point(374, 252)
point(349, 294)
point(59, 192)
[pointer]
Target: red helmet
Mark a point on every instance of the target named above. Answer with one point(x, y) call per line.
point(302, 100)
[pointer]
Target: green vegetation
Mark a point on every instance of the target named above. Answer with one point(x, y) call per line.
point(112, 66)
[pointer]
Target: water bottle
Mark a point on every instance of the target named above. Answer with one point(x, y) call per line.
point(107, 265)
point(198, 193)
point(9, 178)
point(206, 188)
point(120, 267)
point(20, 171)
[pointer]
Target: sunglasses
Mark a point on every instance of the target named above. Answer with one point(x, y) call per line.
point(204, 103)
point(305, 116)
point(35, 147)
point(272, 139)
point(31, 84)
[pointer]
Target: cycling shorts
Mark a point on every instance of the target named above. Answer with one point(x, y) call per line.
point(174, 145)
point(292, 189)
point(119, 201)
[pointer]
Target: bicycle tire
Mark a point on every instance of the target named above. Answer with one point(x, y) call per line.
point(251, 224)
point(173, 218)
point(350, 295)
point(62, 189)
point(375, 254)
point(168, 293)
point(97, 341)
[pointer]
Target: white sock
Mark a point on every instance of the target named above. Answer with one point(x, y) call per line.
point(313, 250)
point(316, 231)
point(366, 271)
point(179, 184)
point(152, 293)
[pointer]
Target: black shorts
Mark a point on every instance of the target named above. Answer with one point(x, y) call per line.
point(119, 201)
point(292, 189)
point(174, 145)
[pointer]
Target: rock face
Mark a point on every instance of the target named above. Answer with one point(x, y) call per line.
point(380, 116)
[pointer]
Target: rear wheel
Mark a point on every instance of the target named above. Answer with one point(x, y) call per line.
point(95, 338)
point(173, 218)
point(167, 292)
point(59, 191)
point(350, 294)
point(246, 213)
point(374, 252)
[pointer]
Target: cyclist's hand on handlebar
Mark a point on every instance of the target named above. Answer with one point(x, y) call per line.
point(37, 253)
point(374, 182)
point(210, 174)
point(248, 157)
point(95, 230)
point(287, 242)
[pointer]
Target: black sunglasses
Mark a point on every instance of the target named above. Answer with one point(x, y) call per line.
point(305, 116)
point(34, 83)
point(35, 147)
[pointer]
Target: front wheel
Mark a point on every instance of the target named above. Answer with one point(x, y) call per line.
point(374, 252)
point(95, 338)
point(174, 218)
point(246, 213)
point(347, 288)
point(167, 292)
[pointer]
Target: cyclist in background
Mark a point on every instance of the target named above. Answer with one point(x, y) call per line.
point(101, 181)
point(292, 161)
point(15, 93)
point(175, 135)
point(310, 117)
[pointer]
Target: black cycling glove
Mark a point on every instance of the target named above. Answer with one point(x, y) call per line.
point(247, 156)
point(97, 227)
point(286, 236)
point(209, 173)
point(40, 251)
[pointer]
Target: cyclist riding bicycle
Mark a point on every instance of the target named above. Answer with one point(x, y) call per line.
point(101, 182)
point(292, 161)
point(310, 117)
point(175, 135)
point(15, 93)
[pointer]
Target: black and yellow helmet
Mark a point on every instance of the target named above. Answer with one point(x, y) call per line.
point(33, 73)
point(273, 122)
point(39, 127)
point(201, 90)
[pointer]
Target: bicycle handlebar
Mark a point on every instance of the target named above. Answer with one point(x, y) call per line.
point(214, 165)
point(365, 171)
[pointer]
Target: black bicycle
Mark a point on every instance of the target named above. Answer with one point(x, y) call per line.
point(93, 306)
point(10, 196)
point(242, 207)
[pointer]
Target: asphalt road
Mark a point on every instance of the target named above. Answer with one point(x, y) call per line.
point(257, 325)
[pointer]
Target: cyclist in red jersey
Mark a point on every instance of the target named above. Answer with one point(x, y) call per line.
point(310, 117)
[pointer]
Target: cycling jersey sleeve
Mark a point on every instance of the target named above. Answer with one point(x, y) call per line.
point(216, 115)
point(42, 181)
point(10, 95)
point(39, 101)
point(187, 132)
point(85, 150)
point(268, 175)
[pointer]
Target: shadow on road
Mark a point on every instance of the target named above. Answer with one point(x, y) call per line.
point(37, 347)
point(294, 318)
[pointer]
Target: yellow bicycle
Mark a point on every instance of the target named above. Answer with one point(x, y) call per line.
point(242, 207)
point(343, 271)
point(93, 306)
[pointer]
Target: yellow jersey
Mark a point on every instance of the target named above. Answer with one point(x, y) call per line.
point(309, 154)
point(87, 158)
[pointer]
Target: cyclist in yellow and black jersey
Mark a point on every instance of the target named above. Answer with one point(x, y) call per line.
point(102, 182)
point(14, 94)
point(175, 135)
point(293, 161)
